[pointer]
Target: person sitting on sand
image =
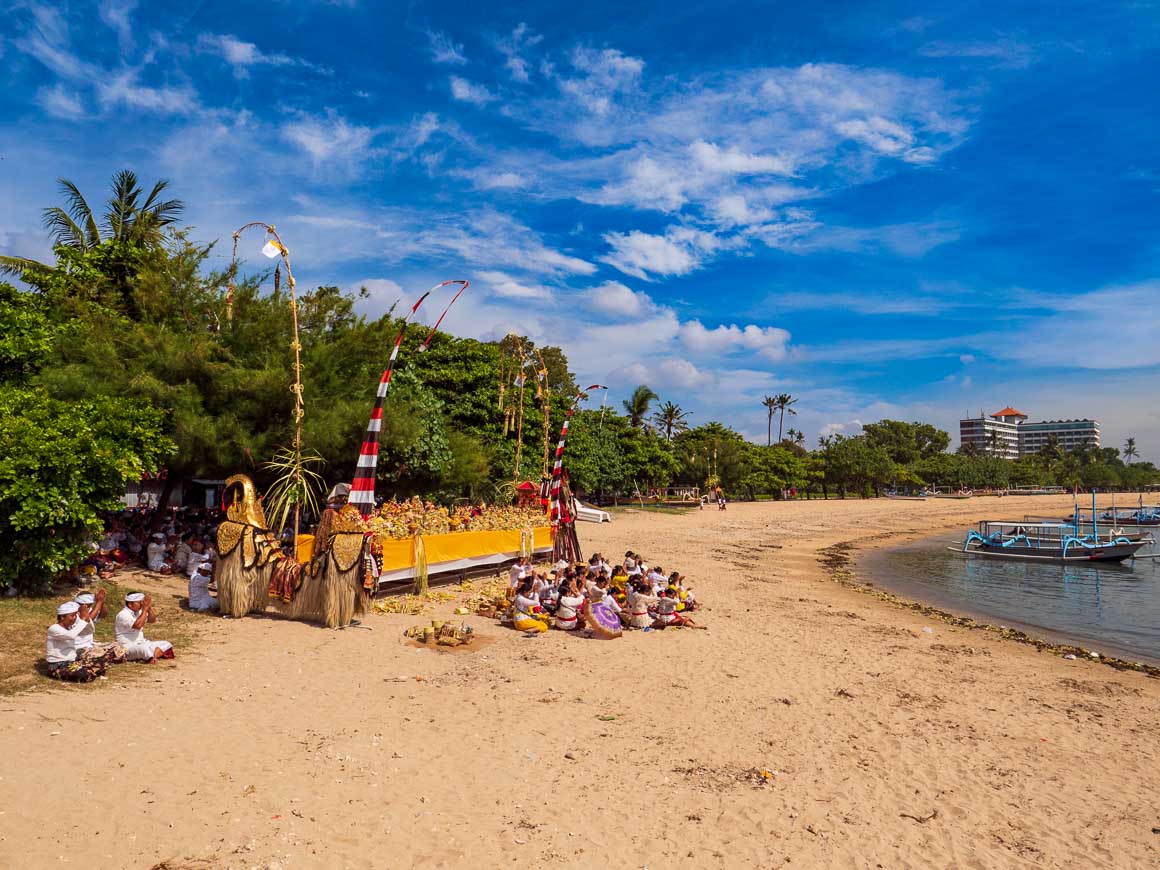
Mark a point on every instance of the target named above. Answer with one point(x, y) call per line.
point(128, 630)
point(157, 556)
point(667, 616)
point(527, 614)
point(599, 620)
point(609, 600)
point(92, 610)
point(568, 608)
point(639, 602)
point(200, 575)
point(60, 648)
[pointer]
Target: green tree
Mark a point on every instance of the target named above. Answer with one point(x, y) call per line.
point(637, 405)
point(1130, 451)
point(770, 403)
point(783, 402)
point(671, 420)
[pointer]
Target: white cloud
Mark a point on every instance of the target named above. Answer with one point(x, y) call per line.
point(383, 291)
point(603, 75)
point(768, 342)
point(734, 161)
point(513, 47)
point(643, 255)
point(470, 92)
point(500, 181)
point(966, 358)
point(124, 90)
point(242, 55)
point(1111, 328)
point(117, 14)
point(507, 287)
point(329, 138)
point(613, 298)
point(444, 50)
point(61, 101)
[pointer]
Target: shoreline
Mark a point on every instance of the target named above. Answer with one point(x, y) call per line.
point(845, 560)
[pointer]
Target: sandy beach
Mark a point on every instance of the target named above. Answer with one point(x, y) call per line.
point(278, 744)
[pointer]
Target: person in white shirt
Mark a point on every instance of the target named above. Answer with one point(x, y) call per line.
point(155, 555)
point(527, 616)
point(128, 630)
point(60, 652)
point(92, 610)
point(568, 608)
point(200, 575)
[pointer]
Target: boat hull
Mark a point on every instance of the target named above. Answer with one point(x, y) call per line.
point(1110, 553)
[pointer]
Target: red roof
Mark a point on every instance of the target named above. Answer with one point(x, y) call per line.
point(1009, 412)
point(526, 485)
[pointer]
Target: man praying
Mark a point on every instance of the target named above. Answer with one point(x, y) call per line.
point(128, 629)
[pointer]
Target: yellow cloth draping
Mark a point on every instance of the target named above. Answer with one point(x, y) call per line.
point(399, 553)
point(305, 548)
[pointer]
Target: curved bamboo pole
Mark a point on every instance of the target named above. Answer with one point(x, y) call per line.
point(295, 345)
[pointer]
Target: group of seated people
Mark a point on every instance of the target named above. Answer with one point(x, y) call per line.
point(72, 651)
point(182, 544)
point(602, 598)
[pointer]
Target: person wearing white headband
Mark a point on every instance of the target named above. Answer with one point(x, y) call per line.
point(128, 629)
point(60, 649)
point(93, 610)
point(200, 575)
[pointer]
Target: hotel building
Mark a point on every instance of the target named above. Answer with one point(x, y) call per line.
point(1007, 434)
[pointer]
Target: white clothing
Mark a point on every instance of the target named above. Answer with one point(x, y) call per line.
point(516, 574)
point(562, 565)
point(525, 606)
point(666, 608)
point(85, 638)
point(61, 645)
point(136, 647)
point(155, 556)
point(656, 578)
point(194, 562)
point(199, 597)
point(638, 604)
point(182, 554)
point(566, 612)
point(611, 603)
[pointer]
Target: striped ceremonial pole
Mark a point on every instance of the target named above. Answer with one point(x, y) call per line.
point(556, 512)
point(362, 488)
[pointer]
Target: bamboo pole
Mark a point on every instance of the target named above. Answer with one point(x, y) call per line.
point(296, 345)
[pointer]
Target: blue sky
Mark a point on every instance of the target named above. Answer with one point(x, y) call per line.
point(904, 210)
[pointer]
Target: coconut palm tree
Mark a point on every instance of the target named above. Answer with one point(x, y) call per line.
point(800, 439)
point(1130, 451)
point(670, 420)
point(770, 403)
point(783, 401)
point(636, 406)
point(129, 216)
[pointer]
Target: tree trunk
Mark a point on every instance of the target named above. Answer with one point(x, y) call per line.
point(162, 502)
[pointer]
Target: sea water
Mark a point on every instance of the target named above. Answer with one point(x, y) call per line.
point(1113, 609)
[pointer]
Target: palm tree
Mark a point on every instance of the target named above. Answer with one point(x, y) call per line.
point(800, 439)
point(670, 419)
point(637, 405)
point(770, 405)
point(783, 401)
point(128, 217)
point(791, 435)
point(1130, 451)
point(1052, 448)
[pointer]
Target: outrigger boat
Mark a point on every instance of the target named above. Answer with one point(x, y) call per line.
point(1053, 541)
point(1142, 515)
point(1049, 542)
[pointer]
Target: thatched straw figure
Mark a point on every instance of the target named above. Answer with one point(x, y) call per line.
point(329, 590)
